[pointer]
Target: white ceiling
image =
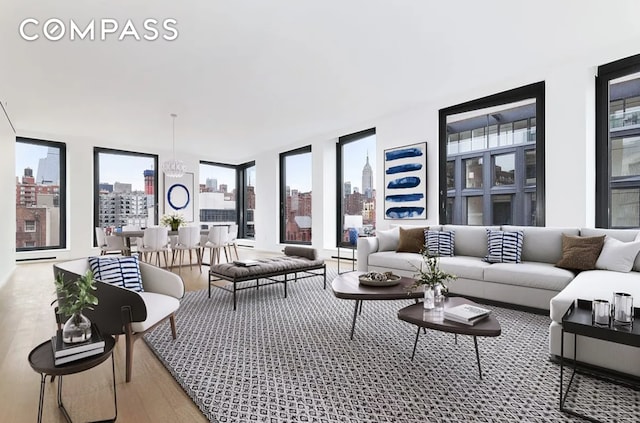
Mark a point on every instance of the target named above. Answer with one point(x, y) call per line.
point(247, 76)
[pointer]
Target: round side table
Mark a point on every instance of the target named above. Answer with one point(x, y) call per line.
point(42, 361)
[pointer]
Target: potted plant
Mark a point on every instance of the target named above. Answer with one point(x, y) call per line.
point(73, 298)
point(173, 220)
point(432, 278)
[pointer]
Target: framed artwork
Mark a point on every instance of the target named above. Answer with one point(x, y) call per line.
point(405, 182)
point(178, 195)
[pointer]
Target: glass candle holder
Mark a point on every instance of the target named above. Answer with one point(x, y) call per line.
point(622, 308)
point(601, 312)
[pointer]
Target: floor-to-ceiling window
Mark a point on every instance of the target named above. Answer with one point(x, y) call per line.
point(218, 194)
point(618, 144)
point(492, 159)
point(40, 194)
point(247, 175)
point(295, 196)
point(125, 185)
point(356, 200)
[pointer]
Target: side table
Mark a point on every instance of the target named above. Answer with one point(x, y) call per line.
point(42, 361)
point(353, 256)
point(578, 321)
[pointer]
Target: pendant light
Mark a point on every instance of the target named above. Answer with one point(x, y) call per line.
point(174, 168)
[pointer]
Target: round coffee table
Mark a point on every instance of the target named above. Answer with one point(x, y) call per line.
point(415, 314)
point(347, 286)
point(42, 361)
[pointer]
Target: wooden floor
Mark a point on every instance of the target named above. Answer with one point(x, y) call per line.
point(27, 320)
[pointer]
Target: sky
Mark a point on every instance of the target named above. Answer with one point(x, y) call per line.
point(128, 169)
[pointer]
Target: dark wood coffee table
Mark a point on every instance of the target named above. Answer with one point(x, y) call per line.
point(347, 287)
point(416, 315)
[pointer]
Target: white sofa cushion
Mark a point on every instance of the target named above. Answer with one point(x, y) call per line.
point(465, 267)
point(470, 240)
point(592, 284)
point(531, 274)
point(392, 260)
point(159, 306)
point(388, 240)
point(542, 244)
point(617, 255)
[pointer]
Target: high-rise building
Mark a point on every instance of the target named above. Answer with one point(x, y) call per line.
point(212, 184)
point(347, 188)
point(367, 179)
point(49, 168)
point(149, 176)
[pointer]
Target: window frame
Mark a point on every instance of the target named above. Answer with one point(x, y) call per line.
point(283, 190)
point(342, 141)
point(606, 73)
point(96, 181)
point(62, 192)
point(241, 199)
point(535, 90)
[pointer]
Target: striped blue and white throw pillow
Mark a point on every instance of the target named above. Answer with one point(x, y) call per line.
point(504, 247)
point(439, 243)
point(120, 271)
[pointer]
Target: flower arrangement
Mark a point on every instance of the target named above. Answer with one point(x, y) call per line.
point(173, 220)
point(429, 273)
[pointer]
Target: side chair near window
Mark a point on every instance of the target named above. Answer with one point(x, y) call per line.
point(110, 243)
point(232, 240)
point(216, 240)
point(130, 311)
point(188, 240)
point(155, 240)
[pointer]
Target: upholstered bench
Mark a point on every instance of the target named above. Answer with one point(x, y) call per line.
point(296, 260)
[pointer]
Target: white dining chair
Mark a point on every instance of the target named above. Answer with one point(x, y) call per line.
point(155, 240)
point(133, 241)
point(216, 241)
point(110, 243)
point(232, 238)
point(188, 240)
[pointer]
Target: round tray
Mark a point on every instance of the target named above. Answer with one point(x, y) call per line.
point(393, 280)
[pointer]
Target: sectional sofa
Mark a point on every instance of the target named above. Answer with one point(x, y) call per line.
point(535, 282)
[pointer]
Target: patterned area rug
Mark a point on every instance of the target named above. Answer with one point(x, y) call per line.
point(291, 360)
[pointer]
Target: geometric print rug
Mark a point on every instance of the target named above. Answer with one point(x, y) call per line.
point(290, 359)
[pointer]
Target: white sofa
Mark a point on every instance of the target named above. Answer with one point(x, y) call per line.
point(535, 282)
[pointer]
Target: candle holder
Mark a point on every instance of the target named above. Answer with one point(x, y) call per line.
point(601, 312)
point(622, 309)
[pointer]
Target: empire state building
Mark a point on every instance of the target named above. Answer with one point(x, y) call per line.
point(367, 179)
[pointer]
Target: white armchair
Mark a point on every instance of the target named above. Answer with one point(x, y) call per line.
point(121, 311)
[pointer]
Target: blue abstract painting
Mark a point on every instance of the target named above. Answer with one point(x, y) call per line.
point(405, 182)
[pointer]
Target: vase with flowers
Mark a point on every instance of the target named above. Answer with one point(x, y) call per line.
point(173, 220)
point(433, 279)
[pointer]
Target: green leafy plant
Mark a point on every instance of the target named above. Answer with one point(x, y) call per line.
point(77, 296)
point(173, 220)
point(429, 273)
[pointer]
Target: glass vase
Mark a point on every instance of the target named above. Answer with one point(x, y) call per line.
point(438, 300)
point(429, 298)
point(76, 329)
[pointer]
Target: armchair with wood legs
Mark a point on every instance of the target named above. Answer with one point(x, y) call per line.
point(121, 311)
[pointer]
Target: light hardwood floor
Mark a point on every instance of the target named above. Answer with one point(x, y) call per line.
point(27, 320)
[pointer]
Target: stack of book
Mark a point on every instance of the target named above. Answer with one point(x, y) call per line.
point(66, 353)
point(466, 313)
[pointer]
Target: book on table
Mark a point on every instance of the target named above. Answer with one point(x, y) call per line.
point(246, 262)
point(63, 352)
point(466, 313)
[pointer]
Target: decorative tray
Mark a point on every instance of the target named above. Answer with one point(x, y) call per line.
point(379, 279)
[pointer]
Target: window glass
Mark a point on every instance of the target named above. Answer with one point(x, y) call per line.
point(501, 207)
point(40, 190)
point(625, 207)
point(357, 170)
point(504, 169)
point(493, 136)
point(295, 195)
point(451, 165)
point(520, 132)
point(452, 144)
point(126, 189)
point(478, 140)
point(474, 210)
point(218, 202)
point(506, 134)
point(465, 141)
point(530, 167)
point(473, 172)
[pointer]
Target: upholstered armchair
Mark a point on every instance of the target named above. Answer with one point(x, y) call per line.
point(122, 311)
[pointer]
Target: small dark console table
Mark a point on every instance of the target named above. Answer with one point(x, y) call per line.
point(41, 360)
point(578, 321)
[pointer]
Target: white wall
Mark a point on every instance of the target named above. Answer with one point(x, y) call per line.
point(8, 193)
point(570, 158)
